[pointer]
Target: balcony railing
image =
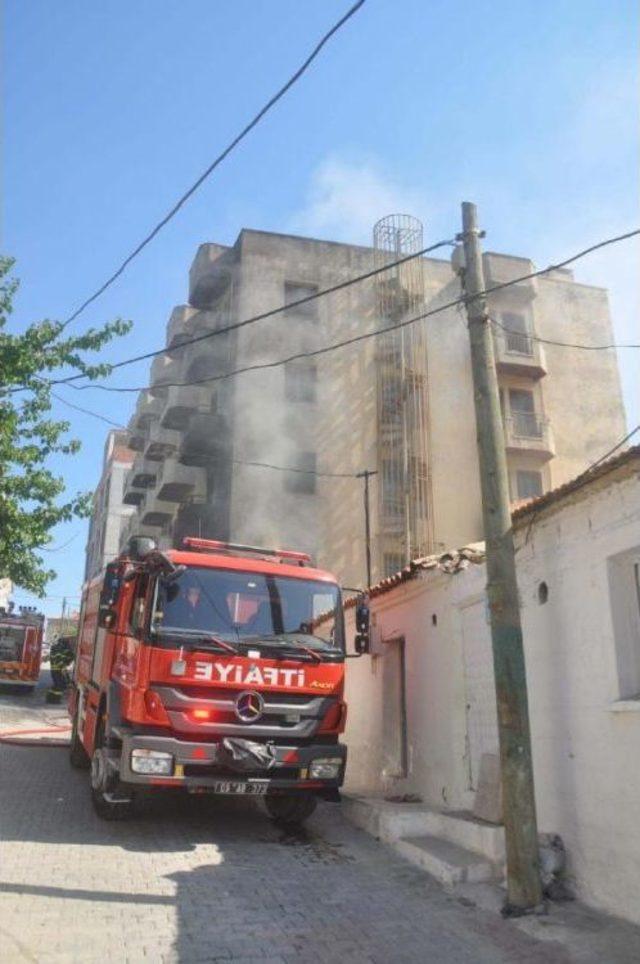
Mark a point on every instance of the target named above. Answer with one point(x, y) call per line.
point(528, 432)
point(518, 353)
point(182, 402)
point(164, 371)
point(179, 483)
point(178, 328)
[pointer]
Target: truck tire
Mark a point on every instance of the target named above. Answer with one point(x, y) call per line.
point(290, 810)
point(78, 756)
point(109, 801)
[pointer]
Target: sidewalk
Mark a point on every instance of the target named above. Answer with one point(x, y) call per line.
point(588, 935)
point(27, 718)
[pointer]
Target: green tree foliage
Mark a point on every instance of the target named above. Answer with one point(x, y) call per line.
point(32, 498)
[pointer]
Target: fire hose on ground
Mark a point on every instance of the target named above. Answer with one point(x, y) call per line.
point(16, 737)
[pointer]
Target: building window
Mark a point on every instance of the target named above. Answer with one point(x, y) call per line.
point(624, 596)
point(295, 292)
point(300, 381)
point(517, 338)
point(302, 481)
point(524, 418)
point(528, 484)
point(393, 562)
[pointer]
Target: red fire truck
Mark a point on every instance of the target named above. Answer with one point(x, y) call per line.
point(216, 668)
point(21, 635)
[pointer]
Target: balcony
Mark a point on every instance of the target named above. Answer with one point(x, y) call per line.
point(529, 432)
point(518, 354)
point(148, 410)
point(140, 477)
point(205, 440)
point(178, 483)
point(137, 436)
point(181, 403)
point(210, 274)
point(178, 328)
point(161, 443)
point(203, 322)
point(164, 370)
point(501, 268)
point(142, 474)
point(155, 511)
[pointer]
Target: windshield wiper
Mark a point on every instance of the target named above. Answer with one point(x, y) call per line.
point(200, 635)
point(291, 644)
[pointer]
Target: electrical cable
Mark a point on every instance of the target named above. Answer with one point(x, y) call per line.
point(539, 503)
point(291, 306)
point(86, 411)
point(559, 344)
point(262, 465)
point(218, 160)
point(64, 544)
point(371, 334)
point(607, 455)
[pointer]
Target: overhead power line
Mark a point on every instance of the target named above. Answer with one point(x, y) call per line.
point(86, 411)
point(218, 160)
point(559, 344)
point(539, 503)
point(260, 465)
point(382, 331)
point(612, 451)
point(290, 306)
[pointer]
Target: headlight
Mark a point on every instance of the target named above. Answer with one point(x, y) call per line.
point(325, 768)
point(152, 761)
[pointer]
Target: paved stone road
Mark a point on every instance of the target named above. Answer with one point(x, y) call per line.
point(206, 879)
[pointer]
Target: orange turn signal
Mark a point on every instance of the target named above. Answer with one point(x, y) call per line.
point(202, 716)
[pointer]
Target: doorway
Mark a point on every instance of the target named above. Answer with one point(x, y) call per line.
point(395, 755)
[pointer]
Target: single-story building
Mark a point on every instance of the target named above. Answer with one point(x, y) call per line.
point(422, 712)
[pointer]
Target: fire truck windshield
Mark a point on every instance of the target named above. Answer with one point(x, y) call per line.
point(244, 607)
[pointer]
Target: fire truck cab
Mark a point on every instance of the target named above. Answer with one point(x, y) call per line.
point(215, 668)
point(21, 634)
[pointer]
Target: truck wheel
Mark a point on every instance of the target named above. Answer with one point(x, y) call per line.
point(291, 810)
point(78, 756)
point(109, 801)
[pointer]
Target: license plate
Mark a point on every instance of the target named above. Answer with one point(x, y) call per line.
point(236, 787)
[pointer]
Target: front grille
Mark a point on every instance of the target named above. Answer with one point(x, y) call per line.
point(226, 773)
point(307, 711)
point(220, 693)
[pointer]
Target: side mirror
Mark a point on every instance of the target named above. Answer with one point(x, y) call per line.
point(363, 622)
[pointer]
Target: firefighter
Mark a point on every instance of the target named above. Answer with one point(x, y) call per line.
point(60, 658)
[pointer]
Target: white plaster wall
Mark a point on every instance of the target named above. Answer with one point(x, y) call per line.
point(586, 750)
point(586, 754)
point(437, 752)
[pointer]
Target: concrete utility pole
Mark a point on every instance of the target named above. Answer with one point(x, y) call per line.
point(62, 616)
point(523, 875)
point(366, 475)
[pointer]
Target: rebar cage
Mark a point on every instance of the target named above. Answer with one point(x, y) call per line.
point(405, 527)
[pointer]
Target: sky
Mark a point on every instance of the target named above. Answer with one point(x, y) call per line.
point(112, 110)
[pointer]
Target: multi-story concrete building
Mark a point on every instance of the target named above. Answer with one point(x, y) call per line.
point(109, 511)
point(332, 414)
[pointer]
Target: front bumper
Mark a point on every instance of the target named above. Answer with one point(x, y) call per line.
point(198, 767)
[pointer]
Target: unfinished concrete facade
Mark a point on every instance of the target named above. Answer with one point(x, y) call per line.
point(322, 415)
point(110, 513)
